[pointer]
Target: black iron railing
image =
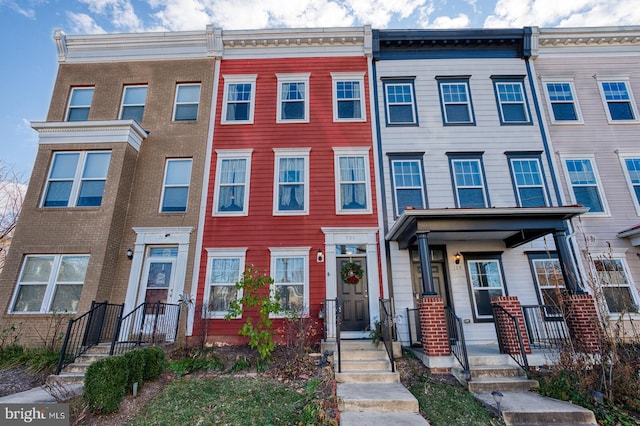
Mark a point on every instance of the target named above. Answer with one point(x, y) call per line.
point(97, 325)
point(415, 330)
point(386, 329)
point(332, 319)
point(456, 340)
point(508, 326)
point(546, 327)
point(148, 324)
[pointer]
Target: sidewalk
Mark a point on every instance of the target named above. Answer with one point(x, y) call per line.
point(39, 395)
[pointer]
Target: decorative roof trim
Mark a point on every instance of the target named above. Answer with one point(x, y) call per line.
point(84, 132)
point(595, 38)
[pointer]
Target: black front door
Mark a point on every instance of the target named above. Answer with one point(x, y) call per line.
point(354, 298)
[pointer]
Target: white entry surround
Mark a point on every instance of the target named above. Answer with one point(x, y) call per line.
point(147, 236)
point(353, 236)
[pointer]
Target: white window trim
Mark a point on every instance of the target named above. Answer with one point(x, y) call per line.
point(165, 185)
point(567, 177)
point(77, 180)
point(286, 153)
point(396, 187)
point(348, 77)
point(569, 80)
point(457, 186)
point(222, 253)
point(464, 82)
point(518, 187)
point(414, 112)
point(622, 156)
point(473, 296)
point(238, 79)
point(602, 78)
point(525, 107)
point(278, 252)
point(227, 154)
point(50, 291)
point(124, 92)
point(350, 152)
point(175, 101)
point(630, 283)
point(73, 89)
point(293, 78)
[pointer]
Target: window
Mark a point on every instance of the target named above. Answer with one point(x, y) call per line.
point(528, 181)
point(239, 95)
point(175, 191)
point(562, 102)
point(612, 277)
point(291, 187)
point(290, 272)
point(224, 269)
point(408, 179)
point(468, 182)
point(133, 101)
point(231, 195)
point(79, 103)
point(50, 283)
point(486, 281)
point(549, 280)
point(400, 102)
point(76, 179)
point(187, 100)
point(584, 184)
point(455, 101)
point(631, 167)
point(617, 99)
point(353, 187)
point(293, 98)
point(512, 104)
point(348, 97)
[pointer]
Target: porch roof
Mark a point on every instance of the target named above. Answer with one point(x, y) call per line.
point(514, 225)
point(633, 234)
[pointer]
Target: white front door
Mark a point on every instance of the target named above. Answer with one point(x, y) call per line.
point(159, 275)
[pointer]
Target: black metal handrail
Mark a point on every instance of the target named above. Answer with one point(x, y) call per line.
point(331, 315)
point(546, 327)
point(415, 329)
point(97, 325)
point(504, 320)
point(457, 343)
point(148, 324)
point(386, 328)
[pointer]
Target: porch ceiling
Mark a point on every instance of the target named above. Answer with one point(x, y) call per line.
point(513, 225)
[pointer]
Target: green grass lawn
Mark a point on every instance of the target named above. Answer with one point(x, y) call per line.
point(232, 401)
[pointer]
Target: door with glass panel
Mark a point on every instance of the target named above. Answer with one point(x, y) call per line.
point(157, 286)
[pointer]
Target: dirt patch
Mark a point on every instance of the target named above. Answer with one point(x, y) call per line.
point(19, 379)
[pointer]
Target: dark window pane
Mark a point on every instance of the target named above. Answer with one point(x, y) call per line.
point(186, 112)
point(349, 109)
point(58, 194)
point(91, 193)
point(175, 199)
point(588, 197)
point(401, 114)
point(457, 114)
point(514, 113)
point(471, 198)
point(293, 110)
point(619, 299)
point(132, 113)
point(238, 112)
point(78, 114)
point(409, 197)
point(564, 112)
point(620, 111)
point(531, 197)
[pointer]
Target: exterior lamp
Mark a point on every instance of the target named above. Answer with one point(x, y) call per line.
point(497, 397)
point(319, 256)
point(129, 254)
point(457, 257)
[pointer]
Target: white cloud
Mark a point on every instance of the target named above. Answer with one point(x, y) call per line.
point(552, 13)
point(27, 12)
point(120, 13)
point(84, 24)
point(445, 22)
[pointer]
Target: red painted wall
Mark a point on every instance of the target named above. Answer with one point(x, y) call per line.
point(260, 229)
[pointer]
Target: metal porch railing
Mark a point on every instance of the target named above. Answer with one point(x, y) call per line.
point(386, 325)
point(332, 319)
point(546, 327)
point(457, 343)
point(415, 331)
point(508, 325)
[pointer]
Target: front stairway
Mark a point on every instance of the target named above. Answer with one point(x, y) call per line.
point(74, 372)
point(368, 391)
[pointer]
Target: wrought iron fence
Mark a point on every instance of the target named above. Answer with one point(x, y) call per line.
point(332, 320)
point(97, 325)
point(415, 330)
point(386, 328)
point(507, 326)
point(546, 327)
point(456, 340)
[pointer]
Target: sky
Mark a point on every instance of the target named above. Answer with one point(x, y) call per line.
point(29, 59)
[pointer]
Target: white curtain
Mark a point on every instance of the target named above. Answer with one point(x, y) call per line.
point(352, 182)
point(291, 181)
point(232, 180)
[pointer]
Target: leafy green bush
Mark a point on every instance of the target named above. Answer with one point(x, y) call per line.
point(35, 359)
point(104, 384)
point(11, 356)
point(154, 362)
point(135, 362)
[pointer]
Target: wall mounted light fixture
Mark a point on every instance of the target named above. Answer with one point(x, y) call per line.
point(319, 256)
point(457, 257)
point(129, 254)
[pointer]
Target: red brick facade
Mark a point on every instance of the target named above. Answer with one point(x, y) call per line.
point(435, 338)
point(508, 334)
point(583, 322)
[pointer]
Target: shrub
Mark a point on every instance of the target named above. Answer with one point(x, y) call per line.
point(104, 384)
point(135, 362)
point(154, 362)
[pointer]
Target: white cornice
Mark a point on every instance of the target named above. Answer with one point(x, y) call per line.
point(70, 132)
point(588, 40)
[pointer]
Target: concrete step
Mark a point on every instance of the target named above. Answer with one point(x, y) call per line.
point(354, 418)
point(490, 360)
point(501, 384)
point(530, 408)
point(99, 349)
point(77, 367)
point(65, 379)
point(368, 377)
point(88, 358)
point(362, 354)
point(496, 371)
point(359, 345)
point(366, 365)
point(381, 397)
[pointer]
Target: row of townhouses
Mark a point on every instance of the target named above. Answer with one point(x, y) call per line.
point(436, 169)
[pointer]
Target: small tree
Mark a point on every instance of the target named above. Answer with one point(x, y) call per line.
point(12, 188)
point(256, 296)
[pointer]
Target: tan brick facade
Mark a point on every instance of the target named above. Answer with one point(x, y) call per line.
point(133, 186)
